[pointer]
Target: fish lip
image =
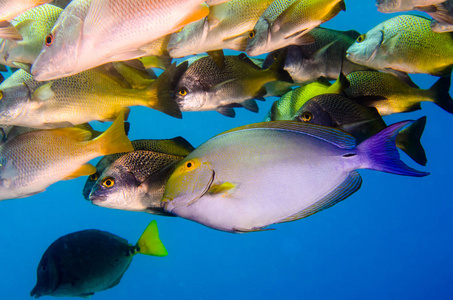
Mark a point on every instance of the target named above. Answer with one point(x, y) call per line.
point(96, 198)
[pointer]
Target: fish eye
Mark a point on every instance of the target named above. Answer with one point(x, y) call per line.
point(93, 177)
point(189, 165)
point(49, 40)
point(43, 268)
point(275, 55)
point(306, 116)
point(252, 34)
point(1, 94)
point(361, 38)
point(182, 92)
point(108, 182)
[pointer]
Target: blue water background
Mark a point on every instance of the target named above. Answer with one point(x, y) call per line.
point(390, 240)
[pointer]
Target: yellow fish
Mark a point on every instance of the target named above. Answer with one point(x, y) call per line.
point(32, 161)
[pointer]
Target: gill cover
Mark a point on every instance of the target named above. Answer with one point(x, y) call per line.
point(188, 183)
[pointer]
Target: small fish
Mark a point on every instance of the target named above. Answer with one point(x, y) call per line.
point(293, 25)
point(33, 25)
point(288, 105)
point(297, 169)
point(136, 180)
point(30, 162)
point(404, 43)
point(9, 9)
point(116, 29)
point(227, 26)
point(204, 86)
point(390, 6)
point(98, 94)
point(324, 58)
point(389, 95)
point(361, 122)
point(85, 262)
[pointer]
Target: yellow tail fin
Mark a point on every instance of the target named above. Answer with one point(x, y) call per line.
point(149, 243)
point(114, 139)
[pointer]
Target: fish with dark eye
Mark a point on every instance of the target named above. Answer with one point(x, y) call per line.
point(326, 57)
point(406, 44)
point(297, 169)
point(205, 86)
point(227, 26)
point(361, 122)
point(135, 181)
point(288, 105)
point(293, 25)
point(389, 94)
point(89, 261)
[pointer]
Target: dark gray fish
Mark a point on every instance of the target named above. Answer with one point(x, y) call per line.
point(135, 181)
point(85, 262)
point(360, 121)
point(324, 58)
point(205, 86)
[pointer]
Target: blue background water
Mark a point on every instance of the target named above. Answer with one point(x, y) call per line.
point(390, 240)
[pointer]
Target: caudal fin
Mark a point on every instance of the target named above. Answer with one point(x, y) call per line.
point(162, 89)
point(382, 155)
point(441, 94)
point(408, 140)
point(278, 68)
point(114, 139)
point(150, 243)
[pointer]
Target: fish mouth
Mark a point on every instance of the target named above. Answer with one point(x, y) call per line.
point(96, 198)
point(169, 205)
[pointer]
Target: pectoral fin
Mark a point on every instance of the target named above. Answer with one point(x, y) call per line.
point(224, 189)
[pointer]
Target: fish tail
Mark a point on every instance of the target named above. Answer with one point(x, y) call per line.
point(277, 69)
point(441, 94)
point(161, 91)
point(408, 140)
point(150, 243)
point(382, 155)
point(114, 139)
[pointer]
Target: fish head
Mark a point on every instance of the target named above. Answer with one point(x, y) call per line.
point(14, 102)
point(58, 56)
point(190, 93)
point(93, 178)
point(47, 276)
point(116, 188)
point(259, 38)
point(314, 113)
point(388, 6)
point(191, 179)
point(270, 58)
point(188, 39)
point(366, 46)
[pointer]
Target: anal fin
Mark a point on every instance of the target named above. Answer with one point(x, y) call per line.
point(84, 170)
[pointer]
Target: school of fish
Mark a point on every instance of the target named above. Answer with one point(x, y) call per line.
point(78, 61)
